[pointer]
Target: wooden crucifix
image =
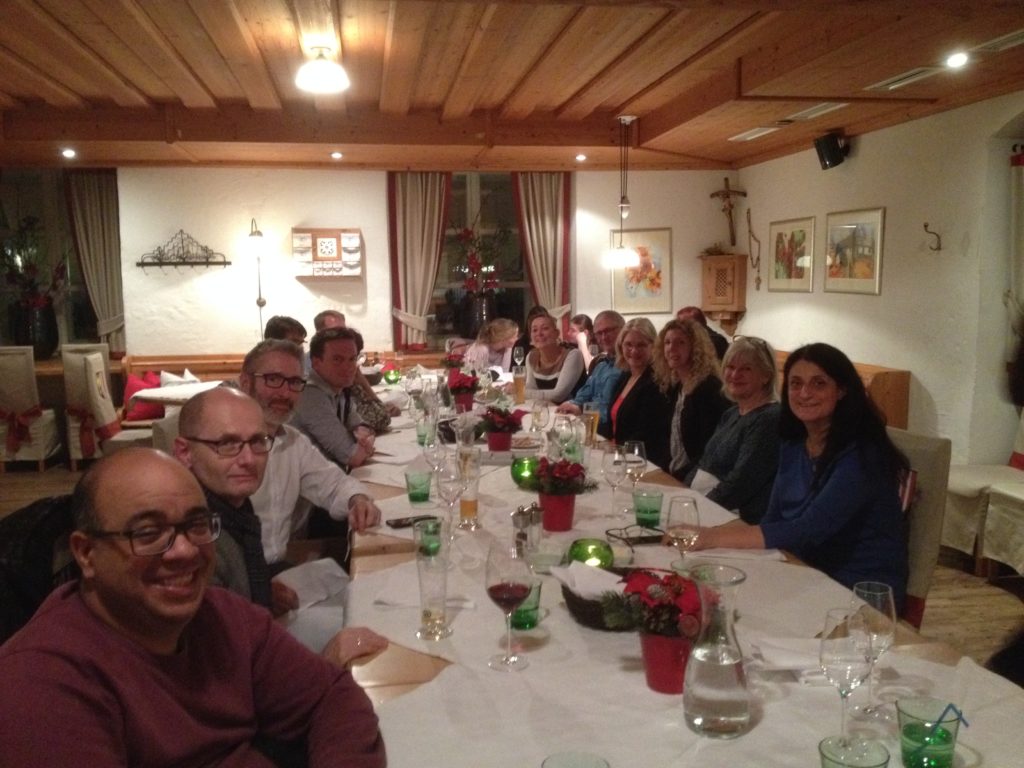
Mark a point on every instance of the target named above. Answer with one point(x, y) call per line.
point(726, 196)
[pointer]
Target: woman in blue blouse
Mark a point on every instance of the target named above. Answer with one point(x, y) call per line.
point(835, 503)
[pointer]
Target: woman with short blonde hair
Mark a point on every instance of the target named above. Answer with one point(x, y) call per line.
point(493, 345)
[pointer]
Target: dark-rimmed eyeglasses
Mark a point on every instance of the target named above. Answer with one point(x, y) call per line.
point(231, 446)
point(278, 380)
point(152, 539)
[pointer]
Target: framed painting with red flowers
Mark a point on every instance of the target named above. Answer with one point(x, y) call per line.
point(647, 288)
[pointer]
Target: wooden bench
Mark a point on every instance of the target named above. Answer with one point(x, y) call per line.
point(889, 389)
point(205, 367)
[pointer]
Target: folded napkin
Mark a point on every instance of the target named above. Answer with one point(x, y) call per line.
point(402, 590)
point(799, 655)
point(315, 581)
point(587, 581)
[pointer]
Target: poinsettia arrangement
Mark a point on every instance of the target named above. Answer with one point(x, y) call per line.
point(502, 420)
point(24, 267)
point(453, 360)
point(559, 478)
point(656, 602)
point(463, 383)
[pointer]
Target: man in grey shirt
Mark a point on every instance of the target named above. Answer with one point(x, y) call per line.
point(326, 412)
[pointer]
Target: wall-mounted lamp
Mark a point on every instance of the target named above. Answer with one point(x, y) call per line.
point(256, 247)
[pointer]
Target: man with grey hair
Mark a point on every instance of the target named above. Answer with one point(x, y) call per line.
point(297, 474)
point(329, 318)
point(604, 374)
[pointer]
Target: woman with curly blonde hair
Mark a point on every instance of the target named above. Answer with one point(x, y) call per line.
point(686, 369)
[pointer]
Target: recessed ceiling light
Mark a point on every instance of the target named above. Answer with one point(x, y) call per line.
point(957, 60)
point(580, 157)
point(336, 155)
point(817, 111)
point(69, 153)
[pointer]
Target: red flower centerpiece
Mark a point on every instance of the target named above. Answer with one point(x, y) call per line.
point(557, 484)
point(462, 387)
point(499, 424)
point(665, 607)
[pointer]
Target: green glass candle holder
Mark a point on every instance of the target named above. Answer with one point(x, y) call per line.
point(393, 376)
point(596, 552)
point(523, 468)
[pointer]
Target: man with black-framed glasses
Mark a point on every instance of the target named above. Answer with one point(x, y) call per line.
point(297, 474)
point(140, 663)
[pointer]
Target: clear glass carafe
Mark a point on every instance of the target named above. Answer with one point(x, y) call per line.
point(716, 702)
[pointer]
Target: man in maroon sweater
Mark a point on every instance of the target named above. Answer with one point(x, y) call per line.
point(140, 664)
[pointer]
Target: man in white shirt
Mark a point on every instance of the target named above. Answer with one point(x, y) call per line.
point(296, 470)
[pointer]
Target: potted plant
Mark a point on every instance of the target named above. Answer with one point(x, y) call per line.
point(665, 607)
point(557, 484)
point(499, 424)
point(463, 386)
point(22, 261)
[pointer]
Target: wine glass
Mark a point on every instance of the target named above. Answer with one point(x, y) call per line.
point(450, 484)
point(874, 601)
point(682, 524)
point(508, 582)
point(434, 450)
point(564, 433)
point(613, 467)
point(636, 460)
point(539, 416)
point(845, 655)
point(518, 355)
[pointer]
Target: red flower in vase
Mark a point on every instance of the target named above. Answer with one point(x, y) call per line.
point(661, 603)
point(462, 383)
point(502, 420)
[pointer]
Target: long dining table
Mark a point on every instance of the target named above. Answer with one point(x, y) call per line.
point(584, 689)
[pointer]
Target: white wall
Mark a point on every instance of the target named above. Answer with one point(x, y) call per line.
point(939, 314)
point(210, 310)
point(679, 200)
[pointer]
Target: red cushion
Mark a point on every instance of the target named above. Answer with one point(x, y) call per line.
point(140, 410)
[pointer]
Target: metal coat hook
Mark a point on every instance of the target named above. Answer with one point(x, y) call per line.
point(936, 235)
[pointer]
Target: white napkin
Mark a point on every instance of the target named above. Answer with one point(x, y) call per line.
point(402, 590)
point(738, 554)
point(315, 581)
point(587, 581)
point(799, 655)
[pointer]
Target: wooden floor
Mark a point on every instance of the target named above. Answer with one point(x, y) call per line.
point(963, 610)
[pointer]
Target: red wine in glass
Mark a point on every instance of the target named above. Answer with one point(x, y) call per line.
point(508, 581)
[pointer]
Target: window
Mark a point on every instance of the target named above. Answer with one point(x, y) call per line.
point(39, 193)
point(482, 202)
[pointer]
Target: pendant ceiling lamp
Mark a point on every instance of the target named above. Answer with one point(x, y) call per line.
point(255, 246)
point(321, 75)
point(620, 256)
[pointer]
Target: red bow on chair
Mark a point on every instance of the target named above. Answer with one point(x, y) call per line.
point(18, 427)
point(86, 430)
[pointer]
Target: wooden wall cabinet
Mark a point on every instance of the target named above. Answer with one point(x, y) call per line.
point(724, 288)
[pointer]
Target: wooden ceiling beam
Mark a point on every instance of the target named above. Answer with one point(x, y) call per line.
point(233, 38)
point(899, 6)
point(239, 124)
point(720, 88)
point(403, 50)
point(133, 27)
point(35, 35)
point(23, 78)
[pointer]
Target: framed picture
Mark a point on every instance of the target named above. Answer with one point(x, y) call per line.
point(853, 260)
point(792, 254)
point(647, 288)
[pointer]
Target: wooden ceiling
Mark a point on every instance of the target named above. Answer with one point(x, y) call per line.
point(480, 85)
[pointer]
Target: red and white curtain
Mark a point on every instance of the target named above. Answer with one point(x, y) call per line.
point(543, 207)
point(417, 212)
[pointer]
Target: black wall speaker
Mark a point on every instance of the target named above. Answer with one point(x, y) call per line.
point(831, 151)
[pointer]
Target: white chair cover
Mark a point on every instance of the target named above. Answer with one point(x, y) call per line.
point(28, 432)
point(108, 427)
point(82, 441)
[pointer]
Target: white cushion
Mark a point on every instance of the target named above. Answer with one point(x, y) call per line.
point(168, 379)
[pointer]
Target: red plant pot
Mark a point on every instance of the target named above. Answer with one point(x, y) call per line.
point(499, 441)
point(558, 511)
point(664, 661)
point(463, 401)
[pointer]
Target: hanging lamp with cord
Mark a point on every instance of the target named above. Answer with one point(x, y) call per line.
point(620, 257)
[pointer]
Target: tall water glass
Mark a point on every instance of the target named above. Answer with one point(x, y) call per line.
point(875, 602)
point(432, 569)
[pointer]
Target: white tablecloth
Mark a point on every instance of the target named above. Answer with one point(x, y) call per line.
point(585, 689)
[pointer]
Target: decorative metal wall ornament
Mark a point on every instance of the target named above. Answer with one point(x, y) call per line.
point(182, 250)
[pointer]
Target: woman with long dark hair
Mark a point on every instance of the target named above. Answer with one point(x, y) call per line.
point(835, 503)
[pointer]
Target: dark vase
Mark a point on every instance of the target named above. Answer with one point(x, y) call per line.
point(36, 327)
point(476, 309)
